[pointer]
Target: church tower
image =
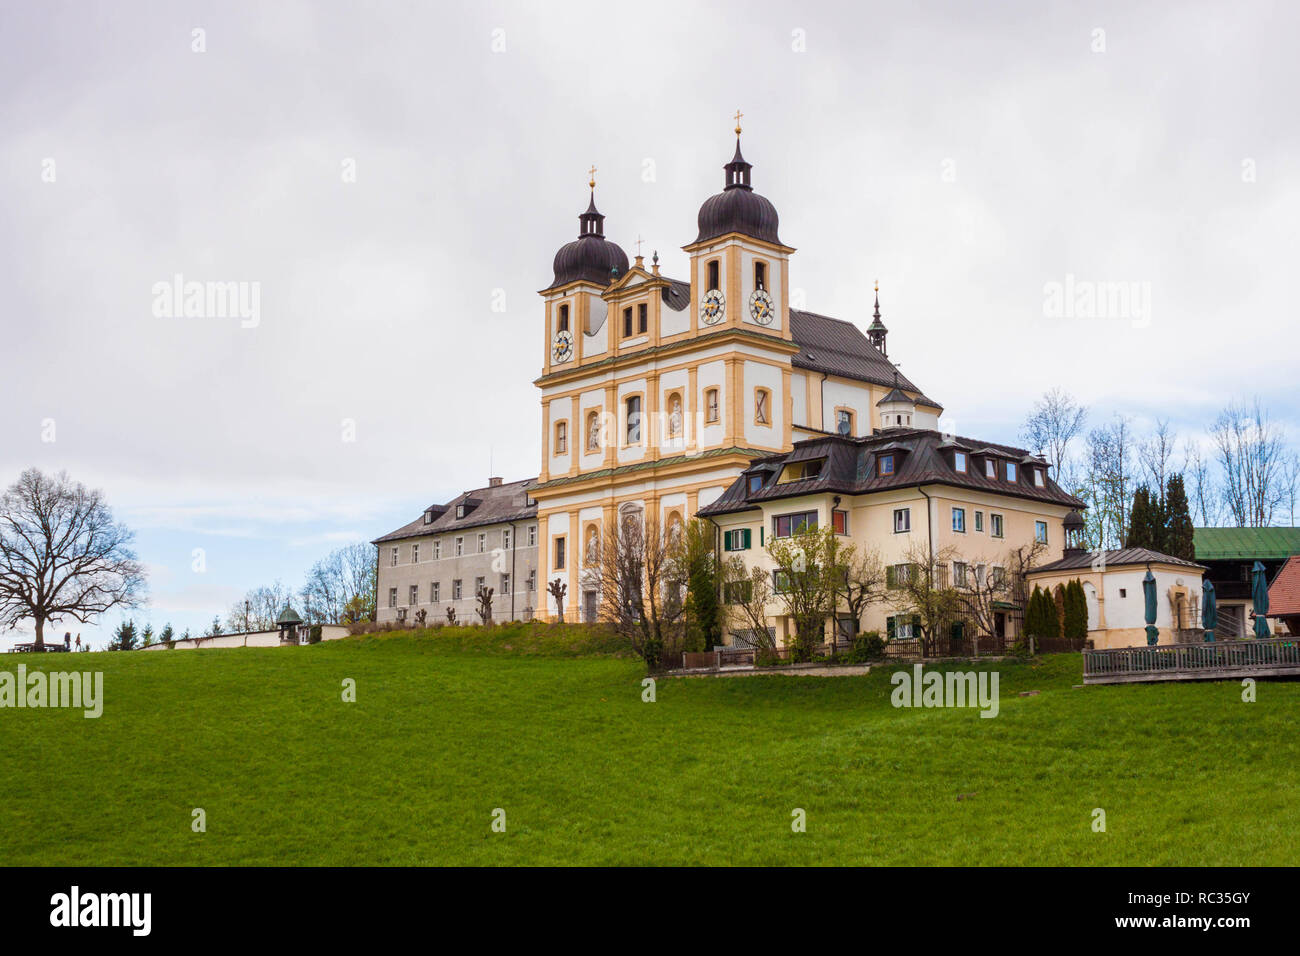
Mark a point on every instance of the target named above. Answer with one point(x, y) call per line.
point(739, 266)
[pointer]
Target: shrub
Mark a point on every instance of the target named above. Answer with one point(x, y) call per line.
point(313, 634)
point(867, 646)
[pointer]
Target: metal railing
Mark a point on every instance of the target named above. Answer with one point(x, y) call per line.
point(1205, 660)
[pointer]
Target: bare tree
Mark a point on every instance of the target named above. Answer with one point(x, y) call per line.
point(1109, 482)
point(558, 589)
point(1155, 454)
point(642, 585)
point(484, 597)
point(1203, 492)
point(61, 554)
point(1252, 458)
point(989, 585)
point(336, 583)
point(258, 609)
point(747, 595)
point(1055, 421)
point(807, 578)
point(922, 588)
point(863, 582)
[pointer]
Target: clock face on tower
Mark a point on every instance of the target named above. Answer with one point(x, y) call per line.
point(713, 307)
point(563, 349)
point(761, 308)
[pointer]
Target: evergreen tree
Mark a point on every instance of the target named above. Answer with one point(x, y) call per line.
point(146, 636)
point(1076, 611)
point(168, 633)
point(1178, 521)
point(216, 626)
point(1146, 527)
point(124, 637)
point(1034, 613)
point(1051, 615)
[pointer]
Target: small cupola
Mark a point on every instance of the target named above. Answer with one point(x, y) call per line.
point(1074, 533)
point(896, 408)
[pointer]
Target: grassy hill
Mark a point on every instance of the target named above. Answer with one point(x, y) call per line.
point(451, 724)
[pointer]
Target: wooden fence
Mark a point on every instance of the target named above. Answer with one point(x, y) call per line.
point(1217, 660)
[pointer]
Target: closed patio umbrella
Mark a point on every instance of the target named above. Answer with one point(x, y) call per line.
point(1209, 610)
point(1149, 601)
point(1259, 595)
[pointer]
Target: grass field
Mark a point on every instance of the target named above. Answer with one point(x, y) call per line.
point(449, 725)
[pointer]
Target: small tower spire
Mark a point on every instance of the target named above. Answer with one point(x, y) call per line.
point(876, 332)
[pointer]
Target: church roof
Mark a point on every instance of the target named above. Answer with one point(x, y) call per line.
point(591, 257)
point(840, 348)
point(738, 208)
point(495, 504)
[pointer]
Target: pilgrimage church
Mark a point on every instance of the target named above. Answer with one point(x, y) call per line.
point(659, 395)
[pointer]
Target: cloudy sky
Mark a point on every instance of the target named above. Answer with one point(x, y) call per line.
point(396, 177)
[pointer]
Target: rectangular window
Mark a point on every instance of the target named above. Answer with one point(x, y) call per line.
point(990, 468)
point(979, 521)
point(505, 584)
point(455, 590)
point(901, 628)
point(627, 322)
point(633, 405)
point(711, 405)
point(642, 318)
point(995, 525)
point(394, 555)
point(738, 592)
point(564, 319)
point(885, 465)
point(760, 275)
point(482, 542)
point(738, 540)
point(844, 421)
point(561, 437)
point(532, 580)
point(755, 484)
point(479, 584)
point(959, 520)
point(505, 539)
point(392, 597)
point(558, 564)
point(959, 461)
point(413, 598)
point(999, 578)
point(437, 548)
point(896, 575)
point(460, 547)
point(1040, 479)
point(415, 554)
point(713, 275)
point(762, 406)
point(840, 521)
point(1011, 471)
point(960, 573)
point(783, 526)
point(532, 536)
point(780, 582)
point(1040, 532)
point(435, 592)
point(902, 520)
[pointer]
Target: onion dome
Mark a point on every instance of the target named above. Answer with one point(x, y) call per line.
point(591, 256)
point(738, 208)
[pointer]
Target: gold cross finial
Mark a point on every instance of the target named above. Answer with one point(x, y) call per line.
point(639, 240)
point(739, 114)
point(877, 285)
point(592, 182)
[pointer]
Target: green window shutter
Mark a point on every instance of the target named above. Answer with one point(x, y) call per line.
point(889, 628)
point(746, 538)
point(916, 625)
point(760, 537)
point(726, 540)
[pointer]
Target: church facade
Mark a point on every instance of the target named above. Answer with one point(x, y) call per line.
point(663, 398)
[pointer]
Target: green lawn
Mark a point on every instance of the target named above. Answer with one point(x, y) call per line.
point(449, 725)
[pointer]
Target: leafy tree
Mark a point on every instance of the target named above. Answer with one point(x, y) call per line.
point(922, 587)
point(807, 576)
point(1178, 521)
point(61, 554)
point(704, 616)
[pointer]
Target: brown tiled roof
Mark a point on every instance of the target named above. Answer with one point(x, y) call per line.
point(922, 457)
point(840, 348)
point(492, 505)
point(1284, 592)
point(1115, 558)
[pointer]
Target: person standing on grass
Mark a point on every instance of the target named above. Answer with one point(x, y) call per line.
point(67, 640)
point(78, 640)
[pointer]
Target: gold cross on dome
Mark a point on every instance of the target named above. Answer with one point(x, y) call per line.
point(739, 114)
point(592, 183)
point(639, 240)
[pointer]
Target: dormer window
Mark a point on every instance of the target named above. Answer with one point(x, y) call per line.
point(990, 468)
point(885, 465)
point(760, 275)
point(1040, 479)
point(1011, 471)
point(755, 484)
point(959, 461)
point(460, 511)
point(428, 516)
